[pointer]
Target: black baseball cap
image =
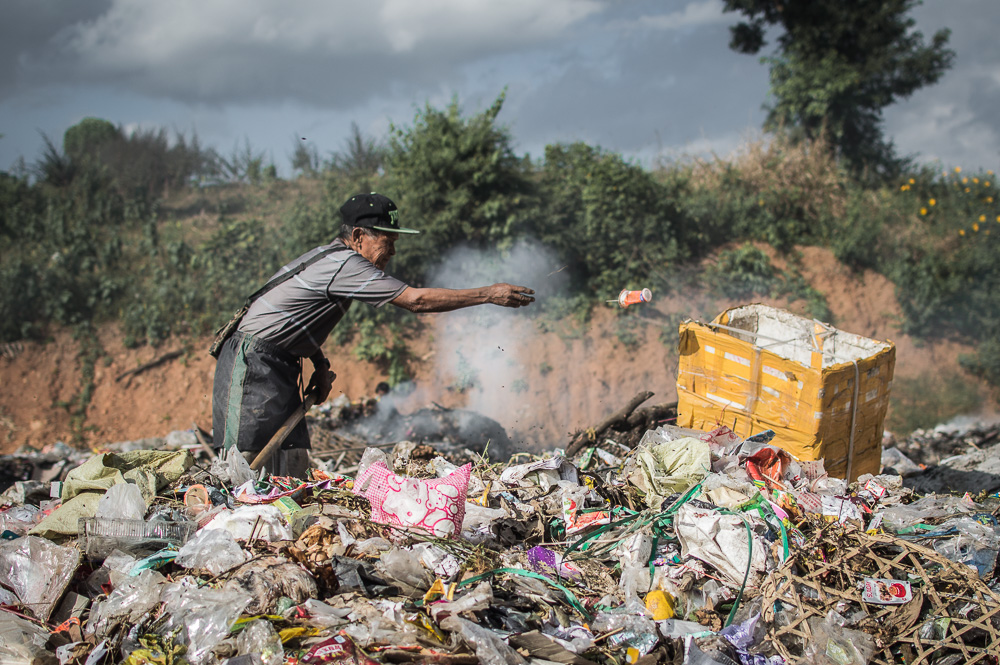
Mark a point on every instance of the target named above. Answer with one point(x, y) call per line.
point(373, 211)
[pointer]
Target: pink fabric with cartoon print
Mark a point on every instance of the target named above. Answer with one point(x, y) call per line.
point(434, 505)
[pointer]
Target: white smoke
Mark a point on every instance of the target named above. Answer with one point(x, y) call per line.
point(479, 347)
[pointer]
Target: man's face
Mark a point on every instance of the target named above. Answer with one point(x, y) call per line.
point(378, 248)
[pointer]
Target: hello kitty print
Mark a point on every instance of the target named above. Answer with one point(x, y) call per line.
point(435, 505)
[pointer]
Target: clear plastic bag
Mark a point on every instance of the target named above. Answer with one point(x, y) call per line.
point(22, 641)
point(122, 501)
point(489, 647)
point(231, 467)
point(443, 564)
point(38, 571)
point(635, 630)
point(405, 569)
point(201, 617)
point(127, 603)
point(934, 505)
point(477, 599)
point(833, 644)
point(19, 519)
point(260, 641)
point(214, 550)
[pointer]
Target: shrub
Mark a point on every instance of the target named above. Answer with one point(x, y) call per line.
point(611, 221)
point(742, 272)
point(457, 180)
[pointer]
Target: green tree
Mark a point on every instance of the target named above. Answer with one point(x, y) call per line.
point(837, 65)
point(361, 158)
point(84, 141)
point(458, 181)
point(609, 219)
point(305, 158)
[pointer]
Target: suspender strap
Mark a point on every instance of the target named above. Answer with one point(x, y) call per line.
point(281, 279)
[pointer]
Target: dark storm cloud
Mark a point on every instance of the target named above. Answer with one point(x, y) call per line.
point(955, 120)
point(30, 33)
point(332, 54)
point(665, 88)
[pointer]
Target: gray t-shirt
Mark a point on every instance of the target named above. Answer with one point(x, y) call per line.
point(299, 314)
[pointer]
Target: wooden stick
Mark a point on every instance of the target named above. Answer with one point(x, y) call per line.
point(582, 438)
point(283, 432)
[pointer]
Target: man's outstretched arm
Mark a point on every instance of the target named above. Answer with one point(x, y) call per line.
point(446, 300)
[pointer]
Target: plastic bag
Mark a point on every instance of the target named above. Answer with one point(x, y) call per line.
point(19, 519)
point(263, 522)
point(662, 466)
point(477, 517)
point(901, 517)
point(260, 641)
point(215, 550)
point(405, 568)
point(127, 603)
point(489, 647)
point(833, 644)
point(122, 501)
point(476, 599)
point(436, 506)
point(974, 544)
point(720, 541)
point(231, 467)
point(22, 641)
point(38, 571)
point(443, 564)
point(635, 631)
point(893, 458)
point(202, 617)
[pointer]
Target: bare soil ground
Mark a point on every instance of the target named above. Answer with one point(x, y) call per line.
point(544, 381)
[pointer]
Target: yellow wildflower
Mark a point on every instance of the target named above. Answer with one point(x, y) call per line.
point(975, 227)
point(961, 232)
point(975, 180)
point(912, 181)
point(982, 218)
point(989, 173)
point(933, 202)
point(986, 184)
point(958, 169)
point(965, 181)
point(989, 199)
point(923, 211)
point(966, 190)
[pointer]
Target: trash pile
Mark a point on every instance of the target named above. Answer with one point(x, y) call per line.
point(947, 440)
point(688, 547)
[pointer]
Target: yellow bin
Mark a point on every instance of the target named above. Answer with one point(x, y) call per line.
point(823, 391)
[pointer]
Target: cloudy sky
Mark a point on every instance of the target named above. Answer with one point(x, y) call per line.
point(650, 79)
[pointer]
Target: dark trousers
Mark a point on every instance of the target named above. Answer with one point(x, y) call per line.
point(256, 389)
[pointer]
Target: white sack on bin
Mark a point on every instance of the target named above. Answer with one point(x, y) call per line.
point(720, 541)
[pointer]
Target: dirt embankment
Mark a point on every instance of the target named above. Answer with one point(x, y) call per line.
point(540, 380)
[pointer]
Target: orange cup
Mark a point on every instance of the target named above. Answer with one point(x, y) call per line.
point(626, 297)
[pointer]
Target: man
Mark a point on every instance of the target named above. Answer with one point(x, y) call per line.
point(259, 368)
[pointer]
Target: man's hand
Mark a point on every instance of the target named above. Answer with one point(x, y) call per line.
point(508, 295)
point(321, 381)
